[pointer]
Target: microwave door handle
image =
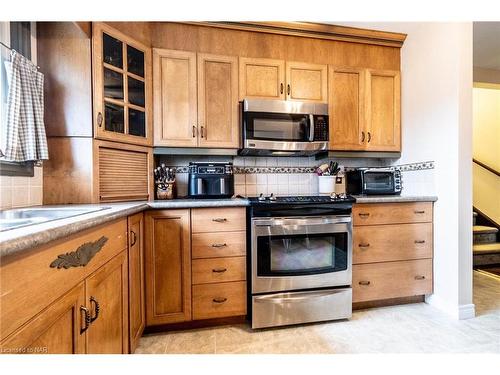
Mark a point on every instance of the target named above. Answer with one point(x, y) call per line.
point(311, 127)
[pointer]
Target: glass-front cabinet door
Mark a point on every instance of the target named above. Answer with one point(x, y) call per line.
point(122, 87)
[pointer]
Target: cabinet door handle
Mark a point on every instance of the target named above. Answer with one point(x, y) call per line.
point(86, 319)
point(419, 211)
point(97, 309)
point(419, 277)
point(419, 241)
point(364, 282)
point(219, 244)
point(362, 136)
point(194, 131)
point(281, 88)
point(220, 219)
point(364, 245)
point(219, 270)
point(219, 300)
point(288, 89)
point(202, 132)
point(134, 238)
point(364, 214)
point(369, 137)
point(99, 119)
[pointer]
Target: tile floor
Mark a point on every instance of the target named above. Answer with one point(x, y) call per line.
point(414, 328)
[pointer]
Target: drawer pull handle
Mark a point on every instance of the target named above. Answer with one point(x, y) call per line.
point(86, 319)
point(419, 211)
point(364, 214)
point(97, 309)
point(419, 241)
point(419, 277)
point(219, 270)
point(364, 245)
point(220, 220)
point(219, 244)
point(219, 300)
point(363, 282)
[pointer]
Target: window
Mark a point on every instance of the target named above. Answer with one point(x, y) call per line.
point(20, 36)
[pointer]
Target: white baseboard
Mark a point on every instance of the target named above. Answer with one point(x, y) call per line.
point(459, 312)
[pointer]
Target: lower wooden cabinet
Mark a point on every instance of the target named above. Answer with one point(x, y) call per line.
point(137, 309)
point(168, 266)
point(55, 330)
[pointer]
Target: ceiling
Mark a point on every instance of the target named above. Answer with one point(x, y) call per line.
point(487, 45)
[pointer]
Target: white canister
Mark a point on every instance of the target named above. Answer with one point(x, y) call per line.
point(326, 184)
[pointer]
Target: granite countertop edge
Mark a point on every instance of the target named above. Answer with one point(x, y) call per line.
point(41, 234)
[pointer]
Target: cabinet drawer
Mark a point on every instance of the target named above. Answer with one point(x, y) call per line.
point(218, 270)
point(384, 243)
point(218, 219)
point(391, 280)
point(28, 280)
point(219, 300)
point(392, 213)
point(220, 244)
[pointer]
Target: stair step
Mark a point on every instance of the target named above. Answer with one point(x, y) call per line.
point(487, 248)
point(482, 229)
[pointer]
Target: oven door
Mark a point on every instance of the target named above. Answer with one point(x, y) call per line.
point(378, 182)
point(301, 253)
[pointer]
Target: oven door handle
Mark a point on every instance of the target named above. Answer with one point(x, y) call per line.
point(320, 220)
point(295, 297)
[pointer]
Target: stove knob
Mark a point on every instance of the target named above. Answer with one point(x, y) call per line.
point(272, 197)
point(333, 196)
point(261, 197)
point(343, 196)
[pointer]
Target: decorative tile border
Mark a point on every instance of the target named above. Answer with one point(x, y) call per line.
point(416, 166)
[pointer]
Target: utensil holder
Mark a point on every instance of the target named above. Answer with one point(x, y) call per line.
point(165, 191)
point(326, 184)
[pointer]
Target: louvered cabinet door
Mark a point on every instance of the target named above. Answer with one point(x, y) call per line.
point(123, 172)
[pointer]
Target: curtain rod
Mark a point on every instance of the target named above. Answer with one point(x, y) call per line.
point(12, 49)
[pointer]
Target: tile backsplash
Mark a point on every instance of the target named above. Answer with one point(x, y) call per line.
point(295, 175)
point(21, 191)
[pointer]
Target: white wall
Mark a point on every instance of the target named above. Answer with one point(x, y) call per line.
point(436, 65)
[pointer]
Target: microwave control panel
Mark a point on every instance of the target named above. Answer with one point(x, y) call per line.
point(320, 128)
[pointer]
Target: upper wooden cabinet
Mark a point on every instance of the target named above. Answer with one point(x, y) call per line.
point(262, 78)
point(383, 119)
point(306, 82)
point(195, 99)
point(364, 109)
point(121, 87)
point(346, 108)
point(277, 79)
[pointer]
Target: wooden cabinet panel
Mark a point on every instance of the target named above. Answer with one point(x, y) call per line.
point(218, 270)
point(346, 110)
point(306, 82)
point(218, 219)
point(21, 272)
point(219, 300)
point(55, 330)
point(383, 119)
point(392, 213)
point(219, 244)
point(377, 281)
point(262, 78)
point(175, 102)
point(137, 310)
point(383, 243)
point(218, 101)
point(168, 266)
point(124, 172)
point(106, 293)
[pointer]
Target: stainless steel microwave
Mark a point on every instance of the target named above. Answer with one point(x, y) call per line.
point(374, 181)
point(282, 127)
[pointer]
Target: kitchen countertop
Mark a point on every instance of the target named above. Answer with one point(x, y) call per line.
point(394, 198)
point(16, 240)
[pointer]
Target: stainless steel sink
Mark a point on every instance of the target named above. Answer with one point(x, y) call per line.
point(21, 217)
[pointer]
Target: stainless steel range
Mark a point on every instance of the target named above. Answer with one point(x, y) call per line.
point(300, 259)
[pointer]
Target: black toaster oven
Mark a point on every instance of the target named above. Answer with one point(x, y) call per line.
point(374, 181)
